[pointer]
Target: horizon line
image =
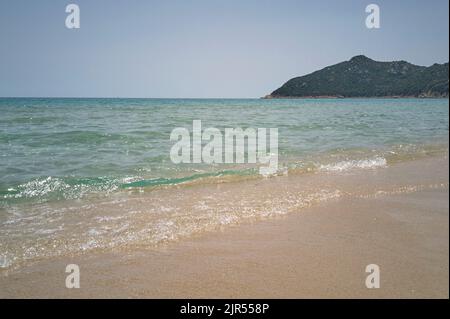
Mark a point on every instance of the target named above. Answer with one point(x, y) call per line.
point(124, 97)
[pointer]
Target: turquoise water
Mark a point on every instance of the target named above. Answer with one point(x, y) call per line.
point(56, 149)
point(91, 174)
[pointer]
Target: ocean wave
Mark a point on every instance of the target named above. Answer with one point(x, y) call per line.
point(187, 178)
point(376, 162)
point(43, 189)
point(166, 215)
point(54, 188)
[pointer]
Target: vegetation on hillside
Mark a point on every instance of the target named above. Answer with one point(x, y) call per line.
point(364, 77)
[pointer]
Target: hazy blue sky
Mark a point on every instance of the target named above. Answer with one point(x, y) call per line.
point(202, 48)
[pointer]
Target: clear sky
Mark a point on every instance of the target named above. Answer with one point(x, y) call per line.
point(202, 48)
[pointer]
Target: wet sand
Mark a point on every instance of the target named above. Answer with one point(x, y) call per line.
point(395, 217)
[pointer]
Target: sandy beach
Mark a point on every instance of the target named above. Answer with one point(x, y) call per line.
point(395, 217)
point(232, 150)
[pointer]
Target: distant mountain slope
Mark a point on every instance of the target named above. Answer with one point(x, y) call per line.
point(364, 77)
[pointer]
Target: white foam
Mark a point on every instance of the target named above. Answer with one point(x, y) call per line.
point(376, 162)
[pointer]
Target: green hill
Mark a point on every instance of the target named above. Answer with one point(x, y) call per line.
point(364, 77)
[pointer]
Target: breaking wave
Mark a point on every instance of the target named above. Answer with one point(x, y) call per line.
point(376, 162)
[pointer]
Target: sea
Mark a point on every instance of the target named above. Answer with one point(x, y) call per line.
point(82, 174)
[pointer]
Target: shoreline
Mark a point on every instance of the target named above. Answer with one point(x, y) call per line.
point(398, 219)
point(270, 97)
